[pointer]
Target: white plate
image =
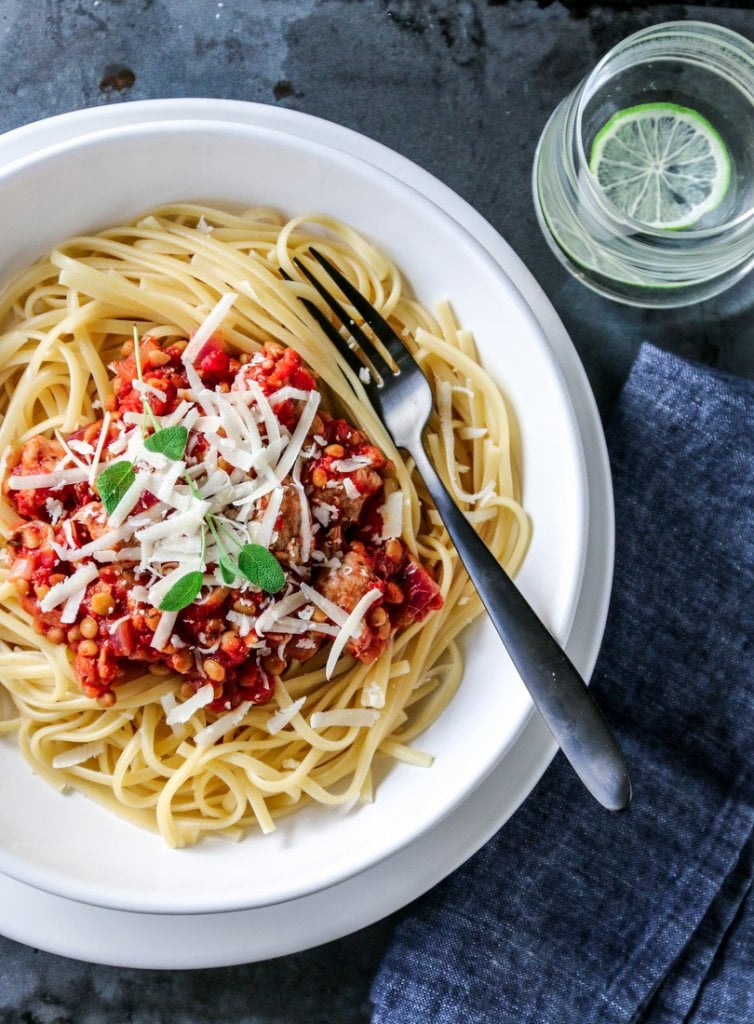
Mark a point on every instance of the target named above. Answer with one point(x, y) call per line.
point(255, 934)
point(108, 178)
point(173, 942)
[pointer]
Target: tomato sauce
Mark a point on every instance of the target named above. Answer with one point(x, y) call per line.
point(343, 478)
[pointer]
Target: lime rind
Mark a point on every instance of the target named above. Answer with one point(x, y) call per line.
point(662, 164)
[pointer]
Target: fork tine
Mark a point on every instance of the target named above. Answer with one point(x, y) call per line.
point(373, 359)
point(336, 338)
point(331, 331)
point(382, 329)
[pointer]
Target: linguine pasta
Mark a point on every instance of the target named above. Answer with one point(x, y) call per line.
point(64, 321)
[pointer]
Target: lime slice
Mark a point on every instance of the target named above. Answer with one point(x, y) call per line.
point(662, 164)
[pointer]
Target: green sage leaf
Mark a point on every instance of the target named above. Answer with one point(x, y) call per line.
point(228, 570)
point(261, 568)
point(170, 442)
point(183, 592)
point(114, 481)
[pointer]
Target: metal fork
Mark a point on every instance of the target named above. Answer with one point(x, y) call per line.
point(402, 398)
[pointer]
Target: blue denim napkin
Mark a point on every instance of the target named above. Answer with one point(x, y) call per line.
point(573, 915)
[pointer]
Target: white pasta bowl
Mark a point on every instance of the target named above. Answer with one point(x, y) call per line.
point(74, 848)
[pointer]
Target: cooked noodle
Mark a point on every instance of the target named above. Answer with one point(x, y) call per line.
point(64, 320)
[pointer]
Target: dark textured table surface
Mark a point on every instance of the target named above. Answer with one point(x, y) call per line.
point(463, 88)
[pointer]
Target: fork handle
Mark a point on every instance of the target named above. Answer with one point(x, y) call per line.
point(558, 691)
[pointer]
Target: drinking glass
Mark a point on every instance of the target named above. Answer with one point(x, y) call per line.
point(644, 175)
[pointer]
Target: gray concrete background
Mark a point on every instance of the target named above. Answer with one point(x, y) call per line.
point(463, 88)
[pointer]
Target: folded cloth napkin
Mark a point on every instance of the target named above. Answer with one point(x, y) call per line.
point(574, 915)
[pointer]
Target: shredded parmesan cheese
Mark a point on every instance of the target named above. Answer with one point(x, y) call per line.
point(217, 729)
point(275, 611)
point(352, 491)
point(82, 447)
point(266, 527)
point(352, 464)
point(181, 713)
point(148, 389)
point(373, 696)
point(208, 326)
point(331, 610)
point(306, 527)
point(106, 540)
point(58, 478)
point(54, 509)
point(164, 630)
point(392, 515)
point(78, 755)
point(347, 717)
point(284, 716)
point(61, 591)
point(127, 503)
point(350, 627)
point(98, 450)
point(71, 607)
